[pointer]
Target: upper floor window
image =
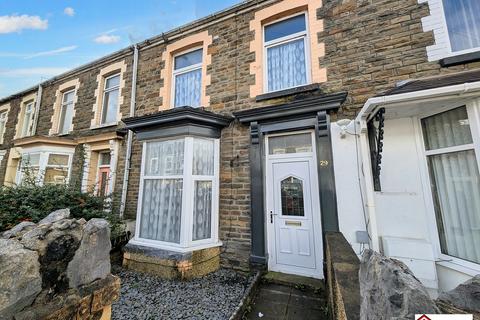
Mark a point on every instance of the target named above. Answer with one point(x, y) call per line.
point(28, 116)
point(463, 24)
point(66, 112)
point(285, 49)
point(3, 123)
point(110, 99)
point(187, 78)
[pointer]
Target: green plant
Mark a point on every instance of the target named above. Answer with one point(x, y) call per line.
point(33, 202)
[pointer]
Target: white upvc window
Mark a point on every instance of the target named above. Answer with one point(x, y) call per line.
point(66, 112)
point(3, 124)
point(178, 200)
point(451, 141)
point(286, 53)
point(45, 167)
point(110, 102)
point(463, 25)
point(28, 117)
point(187, 78)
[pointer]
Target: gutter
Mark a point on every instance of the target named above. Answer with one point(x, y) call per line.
point(128, 155)
point(461, 90)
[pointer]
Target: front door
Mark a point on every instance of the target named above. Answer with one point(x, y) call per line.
point(293, 206)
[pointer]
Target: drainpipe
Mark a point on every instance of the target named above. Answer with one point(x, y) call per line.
point(37, 109)
point(128, 155)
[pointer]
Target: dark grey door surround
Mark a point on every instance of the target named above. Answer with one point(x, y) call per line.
point(310, 113)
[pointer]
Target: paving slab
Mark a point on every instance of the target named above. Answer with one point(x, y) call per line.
point(282, 301)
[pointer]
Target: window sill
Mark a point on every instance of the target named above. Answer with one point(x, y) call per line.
point(151, 244)
point(468, 268)
point(105, 125)
point(288, 92)
point(460, 59)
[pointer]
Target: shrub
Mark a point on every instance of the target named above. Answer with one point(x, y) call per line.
point(31, 202)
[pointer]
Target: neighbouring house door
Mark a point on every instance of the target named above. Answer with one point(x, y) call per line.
point(103, 175)
point(293, 206)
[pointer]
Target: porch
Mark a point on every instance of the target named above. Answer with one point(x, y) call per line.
point(417, 149)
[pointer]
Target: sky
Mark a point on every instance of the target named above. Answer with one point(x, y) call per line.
point(40, 39)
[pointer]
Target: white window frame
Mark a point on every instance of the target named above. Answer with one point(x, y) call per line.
point(181, 71)
point(473, 111)
point(105, 91)
point(62, 106)
point(437, 21)
point(447, 35)
point(43, 164)
point(27, 130)
point(3, 119)
point(292, 37)
point(186, 225)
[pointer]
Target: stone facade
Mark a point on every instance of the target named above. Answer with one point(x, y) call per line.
point(368, 47)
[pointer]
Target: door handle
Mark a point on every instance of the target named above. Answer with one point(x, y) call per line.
point(271, 216)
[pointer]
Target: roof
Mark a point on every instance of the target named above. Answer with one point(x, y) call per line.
point(293, 108)
point(178, 115)
point(436, 82)
point(158, 39)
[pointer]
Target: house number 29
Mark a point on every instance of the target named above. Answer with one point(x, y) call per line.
point(323, 163)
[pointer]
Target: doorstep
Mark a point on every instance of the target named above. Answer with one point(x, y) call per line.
point(292, 280)
point(171, 265)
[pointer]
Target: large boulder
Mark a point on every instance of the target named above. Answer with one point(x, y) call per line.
point(18, 230)
point(48, 263)
point(92, 258)
point(20, 280)
point(465, 297)
point(389, 290)
point(56, 216)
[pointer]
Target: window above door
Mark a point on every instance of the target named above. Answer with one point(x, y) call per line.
point(286, 52)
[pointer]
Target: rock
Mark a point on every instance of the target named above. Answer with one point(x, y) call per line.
point(92, 259)
point(20, 228)
point(465, 296)
point(20, 280)
point(56, 216)
point(389, 290)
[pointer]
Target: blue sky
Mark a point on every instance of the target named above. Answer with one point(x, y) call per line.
point(39, 39)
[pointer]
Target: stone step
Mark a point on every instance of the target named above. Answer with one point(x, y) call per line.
point(294, 281)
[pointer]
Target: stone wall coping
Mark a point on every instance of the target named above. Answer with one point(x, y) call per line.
point(343, 265)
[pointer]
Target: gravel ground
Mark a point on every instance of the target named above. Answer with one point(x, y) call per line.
point(215, 296)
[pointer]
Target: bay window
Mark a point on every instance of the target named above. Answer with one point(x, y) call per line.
point(66, 112)
point(187, 78)
point(110, 100)
point(463, 25)
point(43, 167)
point(455, 181)
point(286, 53)
point(178, 202)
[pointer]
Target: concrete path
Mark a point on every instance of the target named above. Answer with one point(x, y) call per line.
point(279, 301)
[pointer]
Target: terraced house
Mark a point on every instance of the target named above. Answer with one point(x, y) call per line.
point(245, 136)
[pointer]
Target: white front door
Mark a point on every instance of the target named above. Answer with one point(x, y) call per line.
point(293, 207)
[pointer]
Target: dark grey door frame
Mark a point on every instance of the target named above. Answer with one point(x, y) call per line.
point(284, 118)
